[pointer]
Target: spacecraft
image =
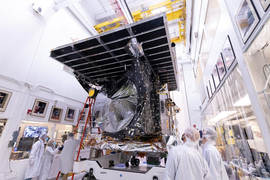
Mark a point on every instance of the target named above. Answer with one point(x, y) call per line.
point(134, 67)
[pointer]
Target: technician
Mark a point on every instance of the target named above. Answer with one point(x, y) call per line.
point(212, 156)
point(48, 160)
point(64, 137)
point(185, 162)
point(67, 155)
point(183, 138)
point(35, 160)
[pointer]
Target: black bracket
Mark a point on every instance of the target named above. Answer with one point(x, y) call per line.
point(155, 178)
point(91, 172)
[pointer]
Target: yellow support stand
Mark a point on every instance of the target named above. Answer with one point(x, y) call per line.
point(82, 147)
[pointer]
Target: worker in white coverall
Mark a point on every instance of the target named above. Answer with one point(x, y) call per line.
point(47, 160)
point(67, 155)
point(35, 159)
point(185, 162)
point(212, 155)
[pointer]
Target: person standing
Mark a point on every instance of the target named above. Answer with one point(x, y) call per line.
point(64, 137)
point(48, 160)
point(67, 155)
point(35, 159)
point(185, 162)
point(212, 155)
point(183, 138)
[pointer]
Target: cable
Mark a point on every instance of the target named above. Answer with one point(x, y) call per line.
point(9, 166)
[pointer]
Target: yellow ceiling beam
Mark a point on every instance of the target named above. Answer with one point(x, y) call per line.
point(147, 12)
point(136, 14)
point(150, 8)
point(176, 39)
point(174, 15)
point(109, 22)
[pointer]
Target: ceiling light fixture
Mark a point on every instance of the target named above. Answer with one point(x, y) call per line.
point(245, 101)
point(222, 115)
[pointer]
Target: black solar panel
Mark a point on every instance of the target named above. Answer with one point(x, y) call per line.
point(103, 56)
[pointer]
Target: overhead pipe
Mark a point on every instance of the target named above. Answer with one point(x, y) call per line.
point(128, 11)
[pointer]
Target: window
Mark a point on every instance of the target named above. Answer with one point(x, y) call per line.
point(257, 59)
point(211, 21)
point(29, 134)
point(239, 137)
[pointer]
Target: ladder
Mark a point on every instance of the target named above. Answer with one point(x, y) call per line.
point(90, 102)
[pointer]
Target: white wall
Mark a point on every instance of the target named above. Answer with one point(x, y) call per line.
point(189, 90)
point(224, 28)
point(27, 70)
point(196, 26)
point(192, 96)
point(179, 97)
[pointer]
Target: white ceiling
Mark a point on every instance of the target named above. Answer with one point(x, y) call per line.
point(99, 11)
point(93, 12)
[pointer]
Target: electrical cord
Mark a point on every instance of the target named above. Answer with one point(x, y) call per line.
point(10, 170)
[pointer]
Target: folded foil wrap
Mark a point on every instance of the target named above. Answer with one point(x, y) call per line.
point(115, 105)
point(128, 106)
point(128, 145)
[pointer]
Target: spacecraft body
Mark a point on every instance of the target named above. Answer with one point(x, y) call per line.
point(134, 68)
point(128, 106)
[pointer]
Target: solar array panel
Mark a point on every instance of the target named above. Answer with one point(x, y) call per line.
point(103, 56)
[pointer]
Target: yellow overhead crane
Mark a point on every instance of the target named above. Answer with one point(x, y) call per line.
point(175, 9)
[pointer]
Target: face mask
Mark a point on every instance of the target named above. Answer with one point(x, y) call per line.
point(54, 143)
point(46, 139)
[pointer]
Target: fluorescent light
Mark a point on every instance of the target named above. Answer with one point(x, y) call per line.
point(245, 101)
point(222, 115)
point(159, 10)
point(33, 122)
